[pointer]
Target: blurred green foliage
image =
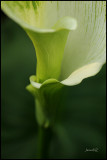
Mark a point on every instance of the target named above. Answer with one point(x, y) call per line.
point(83, 123)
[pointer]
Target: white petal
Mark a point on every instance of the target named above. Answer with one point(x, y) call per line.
point(77, 76)
point(87, 44)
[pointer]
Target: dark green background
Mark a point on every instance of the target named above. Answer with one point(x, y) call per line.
point(83, 122)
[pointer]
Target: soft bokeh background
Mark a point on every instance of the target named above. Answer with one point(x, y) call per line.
point(83, 123)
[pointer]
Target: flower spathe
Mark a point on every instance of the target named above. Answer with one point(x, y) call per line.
point(70, 43)
point(63, 55)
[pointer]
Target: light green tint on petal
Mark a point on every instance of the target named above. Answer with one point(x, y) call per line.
point(50, 43)
point(28, 12)
point(49, 51)
point(39, 16)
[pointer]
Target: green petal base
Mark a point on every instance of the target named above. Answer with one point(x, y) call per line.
point(47, 100)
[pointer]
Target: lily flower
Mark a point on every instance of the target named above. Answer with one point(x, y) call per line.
point(69, 39)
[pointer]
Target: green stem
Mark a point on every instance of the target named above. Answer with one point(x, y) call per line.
point(44, 139)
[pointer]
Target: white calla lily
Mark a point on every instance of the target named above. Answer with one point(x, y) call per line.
point(84, 52)
point(70, 42)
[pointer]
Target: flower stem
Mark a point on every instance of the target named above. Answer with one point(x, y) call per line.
point(44, 139)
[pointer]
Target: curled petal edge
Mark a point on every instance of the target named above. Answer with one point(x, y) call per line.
point(75, 78)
